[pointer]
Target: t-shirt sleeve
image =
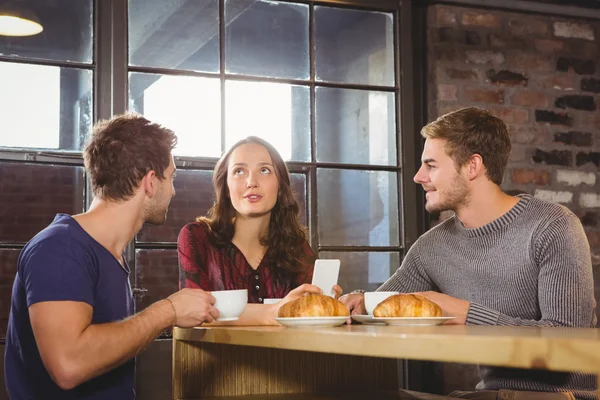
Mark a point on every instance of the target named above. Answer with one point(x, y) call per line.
point(58, 269)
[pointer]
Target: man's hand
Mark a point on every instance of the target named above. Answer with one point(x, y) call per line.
point(355, 302)
point(451, 306)
point(193, 307)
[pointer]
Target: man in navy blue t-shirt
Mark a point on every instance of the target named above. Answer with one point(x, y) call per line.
point(71, 333)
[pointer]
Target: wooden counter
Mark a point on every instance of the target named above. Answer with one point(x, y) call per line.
point(210, 362)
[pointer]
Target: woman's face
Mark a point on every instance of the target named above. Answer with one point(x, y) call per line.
point(251, 180)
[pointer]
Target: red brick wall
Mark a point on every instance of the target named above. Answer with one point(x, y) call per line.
point(8, 269)
point(193, 197)
point(541, 75)
point(31, 195)
point(157, 271)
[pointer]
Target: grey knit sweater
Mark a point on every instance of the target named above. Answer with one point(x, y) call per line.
point(530, 267)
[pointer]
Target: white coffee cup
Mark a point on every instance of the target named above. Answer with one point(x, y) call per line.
point(372, 299)
point(271, 301)
point(230, 303)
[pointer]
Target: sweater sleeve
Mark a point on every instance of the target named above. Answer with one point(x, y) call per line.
point(192, 271)
point(411, 276)
point(565, 281)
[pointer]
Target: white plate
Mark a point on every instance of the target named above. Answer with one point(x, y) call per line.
point(367, 319)
point(413, 321)
point(300, 322)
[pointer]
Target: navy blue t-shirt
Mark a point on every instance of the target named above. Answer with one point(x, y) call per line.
point(63, 262)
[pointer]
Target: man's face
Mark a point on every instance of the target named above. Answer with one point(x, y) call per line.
point(156, 213)
point(446, 189)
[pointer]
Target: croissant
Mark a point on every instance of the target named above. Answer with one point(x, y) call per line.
point(314, 305)
point(407, 305)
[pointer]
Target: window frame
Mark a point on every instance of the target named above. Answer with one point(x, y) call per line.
point(110, 66)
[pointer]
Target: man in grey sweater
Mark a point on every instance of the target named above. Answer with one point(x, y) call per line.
point(500, 260)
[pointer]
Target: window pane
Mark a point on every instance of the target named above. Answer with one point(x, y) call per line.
point(174, 34)
point(57, 114)
point(354, 46)
point(355, 126)
point(31, 196)
point(360, 270)
point(267, 38)
point(357, 208)
point(67, 34)
point(193, 197)
point(8, 270)
point(158, 272)
point(298, 182)
point(278, 113)
point(190, 106)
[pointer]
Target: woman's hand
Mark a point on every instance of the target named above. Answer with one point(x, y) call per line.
point(299, 292)
point(338, 291)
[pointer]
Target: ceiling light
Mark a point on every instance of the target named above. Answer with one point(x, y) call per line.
point(17, 21)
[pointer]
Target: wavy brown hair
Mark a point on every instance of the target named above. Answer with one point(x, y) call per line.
point(286, 237)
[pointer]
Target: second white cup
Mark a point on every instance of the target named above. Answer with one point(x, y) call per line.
point(372, 299)
point(271, 301)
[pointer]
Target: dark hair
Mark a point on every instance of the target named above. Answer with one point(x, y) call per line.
point(124, 149)
point(286, 237)
point(471, 131)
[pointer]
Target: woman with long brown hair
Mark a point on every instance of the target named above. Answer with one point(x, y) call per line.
point(252, 237)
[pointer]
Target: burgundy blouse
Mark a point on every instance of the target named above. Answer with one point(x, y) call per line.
point(206, 266)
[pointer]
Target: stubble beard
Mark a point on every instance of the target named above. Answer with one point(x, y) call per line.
point(456, 197)
point(156, 214)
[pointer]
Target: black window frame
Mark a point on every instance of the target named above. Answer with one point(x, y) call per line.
point(110, 88)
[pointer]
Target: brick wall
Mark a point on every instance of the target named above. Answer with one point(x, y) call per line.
point(540, 74)
point(31, 195)
point(8, 269)
point(193, 197)
point(157, 271)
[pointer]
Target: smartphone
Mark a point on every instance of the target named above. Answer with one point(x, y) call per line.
point(325, 275)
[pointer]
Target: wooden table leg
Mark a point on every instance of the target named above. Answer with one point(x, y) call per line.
point(204, 370)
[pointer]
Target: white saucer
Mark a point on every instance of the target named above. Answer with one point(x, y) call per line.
point(367, 320)
point(227, 319)
point(300, 322)
point(413, 321)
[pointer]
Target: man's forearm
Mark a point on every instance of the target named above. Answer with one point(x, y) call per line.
point(480, 315)
point(102, 347)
